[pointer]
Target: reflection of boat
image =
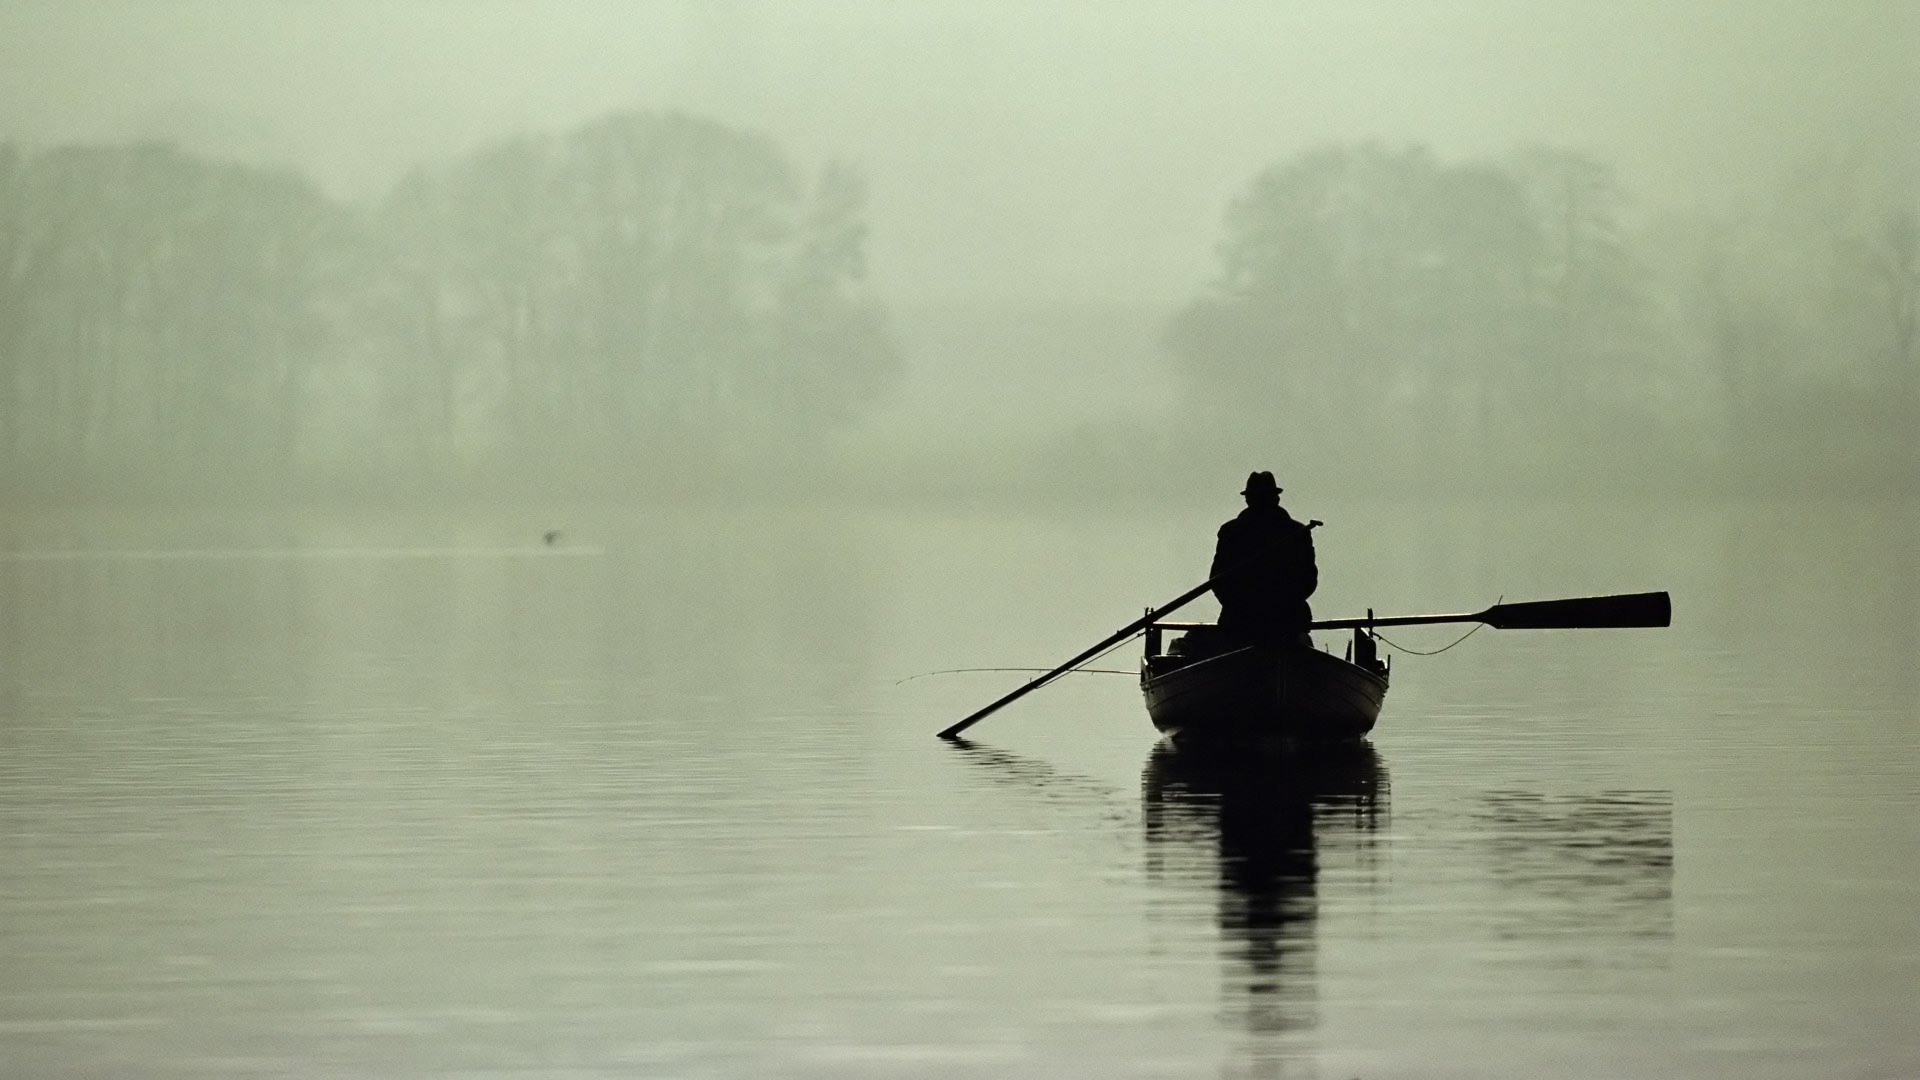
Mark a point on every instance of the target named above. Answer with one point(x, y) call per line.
point(1263, 806)
point(1268, 692)
point(1259, 824)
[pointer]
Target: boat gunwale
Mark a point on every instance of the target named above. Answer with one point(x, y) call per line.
point(1339, 663)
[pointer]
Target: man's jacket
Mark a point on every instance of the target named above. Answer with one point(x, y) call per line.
point(1263, 571)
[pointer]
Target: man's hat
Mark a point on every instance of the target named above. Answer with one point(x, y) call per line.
point(1261, 483)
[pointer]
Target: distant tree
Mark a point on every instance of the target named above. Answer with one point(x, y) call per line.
point(834, 354)
point(20, 261)
point(406, 368)
point(1801, 318)
point(1319, 261)
point(1740, 327)
point(156, 310)
point(1384, 295)
point(646, 283)
point(1881, 282)
point(1867, 323)
point(1899, 266)
point(1593, 337)
point(645, 279)
point(467, 250)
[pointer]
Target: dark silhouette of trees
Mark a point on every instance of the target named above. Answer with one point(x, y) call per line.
point(644, 282)
point(157, 312)
point(22, 263)
point(647, 292)
point(1593, 348)
point(836, 356)
point(1803, 322)
point(1382, 294)
point(1886, 262)
point(1507, 312)
point(658, 299)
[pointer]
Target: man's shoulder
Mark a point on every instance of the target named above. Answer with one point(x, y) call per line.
point(1266, 517)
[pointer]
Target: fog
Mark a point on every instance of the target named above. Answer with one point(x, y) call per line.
point(962, 248)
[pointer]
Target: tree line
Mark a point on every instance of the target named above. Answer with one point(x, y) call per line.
point(645, 291)
point(653, 296)
point(1505, 322)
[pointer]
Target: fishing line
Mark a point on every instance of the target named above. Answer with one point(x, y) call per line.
point(1040, 670)
point(1477, 627)
point(1382, 638)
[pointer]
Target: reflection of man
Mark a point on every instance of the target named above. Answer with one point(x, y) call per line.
point(1263, 569)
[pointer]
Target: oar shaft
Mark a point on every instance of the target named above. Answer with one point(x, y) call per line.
point(1578, 612)
point(1393, 620)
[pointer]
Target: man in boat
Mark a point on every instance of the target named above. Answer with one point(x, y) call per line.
point(1263, 568)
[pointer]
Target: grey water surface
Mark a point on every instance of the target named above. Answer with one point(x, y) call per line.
point(430, 796)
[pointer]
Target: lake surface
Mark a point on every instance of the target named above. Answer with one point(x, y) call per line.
point(427, 796)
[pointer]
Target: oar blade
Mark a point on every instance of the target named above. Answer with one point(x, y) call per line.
point(1583, 612)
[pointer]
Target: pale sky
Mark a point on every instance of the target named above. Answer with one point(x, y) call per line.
point(1074, 148)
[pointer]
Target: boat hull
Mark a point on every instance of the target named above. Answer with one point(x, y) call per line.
point(1265, 693)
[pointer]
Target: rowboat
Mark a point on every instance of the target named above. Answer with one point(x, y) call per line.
point(1210, 688)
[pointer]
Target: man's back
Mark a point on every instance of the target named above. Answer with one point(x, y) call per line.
point(1264, 570)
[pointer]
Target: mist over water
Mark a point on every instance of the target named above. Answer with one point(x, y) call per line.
point(477, 483)
point(659, 248)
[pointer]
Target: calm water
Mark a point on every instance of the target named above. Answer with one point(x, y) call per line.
point(421, 797)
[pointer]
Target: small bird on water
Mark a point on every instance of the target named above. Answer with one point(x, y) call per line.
point(551, 536)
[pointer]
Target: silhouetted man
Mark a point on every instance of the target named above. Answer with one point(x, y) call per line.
point(1263, 569)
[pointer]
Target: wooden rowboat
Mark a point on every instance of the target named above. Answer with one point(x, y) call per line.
point(1287, 692)
point(1276, 692)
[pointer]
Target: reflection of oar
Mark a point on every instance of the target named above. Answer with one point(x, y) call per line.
point(1574, 613)
point(1037, 776)
point(1108, 642)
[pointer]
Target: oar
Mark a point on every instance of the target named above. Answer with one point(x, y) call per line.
point(1111, 640)
point(1573, 613)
